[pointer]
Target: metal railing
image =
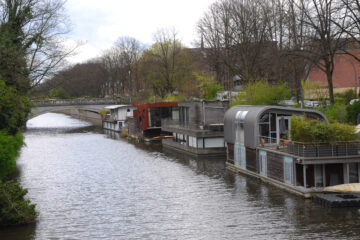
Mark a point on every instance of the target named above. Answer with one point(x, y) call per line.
point(312, 149)
point(168, 122)
point(78, 101)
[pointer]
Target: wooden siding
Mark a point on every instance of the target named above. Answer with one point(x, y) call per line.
point(133, 129)
point(275, 166)
point(230, 152)
point(251, 160)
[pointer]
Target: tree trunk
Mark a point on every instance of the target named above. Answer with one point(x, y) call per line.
point(330, 86)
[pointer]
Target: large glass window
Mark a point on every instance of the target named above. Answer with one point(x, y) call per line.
point(264, 127)
point(184, 115)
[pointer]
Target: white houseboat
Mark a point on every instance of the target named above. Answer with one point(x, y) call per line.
point(118, 114)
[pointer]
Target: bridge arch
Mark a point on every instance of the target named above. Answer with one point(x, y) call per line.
point(80, 108)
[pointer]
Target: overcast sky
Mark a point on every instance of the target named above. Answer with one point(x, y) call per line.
point(98, 23)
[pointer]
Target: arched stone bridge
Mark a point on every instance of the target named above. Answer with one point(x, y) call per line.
point(73, 106)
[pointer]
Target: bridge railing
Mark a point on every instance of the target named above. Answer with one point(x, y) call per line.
point(78, 101)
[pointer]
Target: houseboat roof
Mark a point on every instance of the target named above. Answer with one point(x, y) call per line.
point(252, 117)
point(119, 106)
point(156, 104)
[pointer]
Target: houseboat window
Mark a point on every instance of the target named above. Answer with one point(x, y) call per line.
point(156, 114)
point(192, 141)
point(353, 173)
point(184, 115)
point(165, 112)
point(214, 142)
point(273, 122)
point(319, 178)
point(264, 127)
point(264, 132)
point(264, 118)
point(128, 110)
point(200, 142)
point(175, 113)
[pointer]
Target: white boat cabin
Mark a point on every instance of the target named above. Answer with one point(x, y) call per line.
point(118, 114)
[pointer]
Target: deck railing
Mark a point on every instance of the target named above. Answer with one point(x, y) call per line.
point(168, 122)
point(312, 149)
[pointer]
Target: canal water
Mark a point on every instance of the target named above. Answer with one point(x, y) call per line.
point(88, 185)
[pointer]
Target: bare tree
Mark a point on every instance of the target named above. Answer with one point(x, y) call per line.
point(351, 16)
point(322, 38)
point(38, 27)
point(241, 37)
point(214, 31)
point(130, 51)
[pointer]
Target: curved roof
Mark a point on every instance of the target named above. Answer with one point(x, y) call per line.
point(251, 119)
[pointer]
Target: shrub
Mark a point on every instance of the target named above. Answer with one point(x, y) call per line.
point(174, 98)
point(301, 130)
point(347, 95)
point(14, 109)
point(9, 149)
point(14, 208)
point(58, 93)
point(262, 93)
point(343, 132)
point(103, 112)
point(352, 112)
point(308, 130)
point(208, 86)
point(335, 113)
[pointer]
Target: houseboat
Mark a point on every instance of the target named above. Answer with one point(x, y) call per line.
point(147, 119)
point(115, 120)
point(197, 128)
point(255, 135)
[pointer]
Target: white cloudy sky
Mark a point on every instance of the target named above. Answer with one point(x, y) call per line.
point(98, 23)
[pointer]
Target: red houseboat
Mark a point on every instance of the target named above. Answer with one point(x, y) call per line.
point(149, 115)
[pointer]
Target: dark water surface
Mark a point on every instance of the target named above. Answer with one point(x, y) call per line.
point(89, 186)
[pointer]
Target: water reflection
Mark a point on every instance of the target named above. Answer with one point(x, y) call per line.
point(90, 186)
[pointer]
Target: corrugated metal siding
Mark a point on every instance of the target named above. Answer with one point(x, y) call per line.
point(251, 121)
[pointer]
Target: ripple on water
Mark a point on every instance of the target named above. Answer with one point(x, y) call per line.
point(88, 186)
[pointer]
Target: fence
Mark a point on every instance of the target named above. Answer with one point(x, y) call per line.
point(316, 150)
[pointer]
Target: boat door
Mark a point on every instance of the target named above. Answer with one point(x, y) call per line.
point(282, 127)
point(239, 147)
